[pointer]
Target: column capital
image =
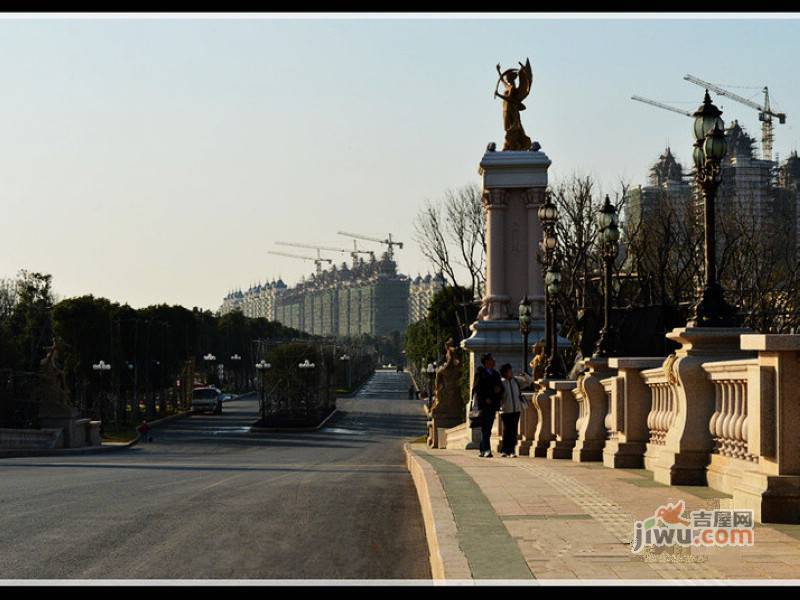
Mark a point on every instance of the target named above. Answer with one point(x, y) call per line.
point(534, 197)
point(494, 198)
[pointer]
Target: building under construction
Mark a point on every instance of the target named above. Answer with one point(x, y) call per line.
point(367, 298)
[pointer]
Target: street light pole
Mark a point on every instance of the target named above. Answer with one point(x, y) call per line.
point(609, 249)
point(431, 372)
point(346, 359)
point(210, 359)
point(235, 360)
point(552, 281)
point(548, 216)
point(710, 147)
point(262, 367)
point(525, 328)
point(101, 367)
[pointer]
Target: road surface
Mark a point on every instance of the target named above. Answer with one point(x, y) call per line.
point(209, 499)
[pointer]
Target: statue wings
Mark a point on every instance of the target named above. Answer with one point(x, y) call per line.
point(525, 78)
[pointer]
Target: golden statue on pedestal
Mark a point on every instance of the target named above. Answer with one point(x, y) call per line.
point(516, 139)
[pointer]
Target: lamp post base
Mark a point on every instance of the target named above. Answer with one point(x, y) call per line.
point(712, 310)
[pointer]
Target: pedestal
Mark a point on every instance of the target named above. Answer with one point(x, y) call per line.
point(592, 408)
point(629, 405)
point(542, 400)
point(564, 416)
point(683, 457)
point(528, 421)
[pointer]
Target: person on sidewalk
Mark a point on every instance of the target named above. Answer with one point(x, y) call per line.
point(487, 397)
point(510, 411)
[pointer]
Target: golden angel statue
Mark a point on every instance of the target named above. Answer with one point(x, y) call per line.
point(512, 104)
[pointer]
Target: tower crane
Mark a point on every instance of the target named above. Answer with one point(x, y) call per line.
point(388, 242)
point(353, 253)
point(661, 105)
point(317, 261)
point(765, 113)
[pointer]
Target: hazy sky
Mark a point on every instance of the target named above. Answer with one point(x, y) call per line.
point(150, 160)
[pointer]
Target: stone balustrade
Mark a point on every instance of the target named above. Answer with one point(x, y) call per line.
point(756, 454)
point(628, 414)
point(542, 404)
point(563, 418)
point(592, 408)
point(663, 405)
point(728, 424)
point(527, 425)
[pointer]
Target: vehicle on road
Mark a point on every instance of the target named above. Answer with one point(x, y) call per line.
point(207, 399)
point(227, 397)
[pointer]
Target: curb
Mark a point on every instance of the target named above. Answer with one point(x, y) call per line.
point(294, 429)
point(448, 562)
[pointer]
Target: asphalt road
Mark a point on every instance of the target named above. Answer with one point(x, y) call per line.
point(209, 499)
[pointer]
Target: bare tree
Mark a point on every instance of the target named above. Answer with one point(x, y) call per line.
point(451, 233)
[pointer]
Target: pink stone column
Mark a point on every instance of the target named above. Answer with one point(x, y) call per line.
point(496, 300)
point(534, 197)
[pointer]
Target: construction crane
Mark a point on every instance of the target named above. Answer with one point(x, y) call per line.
point(765, 113)
point(389, 241)
point(353, 253)
point(661, 105)
point(317, 261)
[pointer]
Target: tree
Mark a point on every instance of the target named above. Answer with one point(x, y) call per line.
point(451, 233)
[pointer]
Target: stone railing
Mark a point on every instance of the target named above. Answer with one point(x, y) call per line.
point(563, 415)
point(626, 418)
point(728, 425)
point(663, 404)
point(592, 409)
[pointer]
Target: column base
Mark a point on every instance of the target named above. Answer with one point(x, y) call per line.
point(560, 449)
point(676, 468)
point(773, 498)
point(587, 451)
point(624, 455)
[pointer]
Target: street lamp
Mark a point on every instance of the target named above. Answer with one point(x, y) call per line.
point(262, 367)
point(431, 373)
point(236, 359)
point(525, 329)
point(552, 282)
point(710, 147)
point(346, 359)
point(548, 215)
point(608, 244)
point(210, 359)
point(101, 367)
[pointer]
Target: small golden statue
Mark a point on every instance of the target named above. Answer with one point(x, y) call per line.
point(512, 104)
point(538, 361)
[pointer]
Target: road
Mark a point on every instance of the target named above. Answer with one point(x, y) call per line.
point(209, 499)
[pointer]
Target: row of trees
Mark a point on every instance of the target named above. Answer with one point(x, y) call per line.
point(156, 353)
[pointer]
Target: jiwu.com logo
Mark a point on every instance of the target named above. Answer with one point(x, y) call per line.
point(669, 526)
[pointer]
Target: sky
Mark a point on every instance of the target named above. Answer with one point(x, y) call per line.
point(158, 160)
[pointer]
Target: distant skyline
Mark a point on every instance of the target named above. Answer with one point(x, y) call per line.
point(153, 160)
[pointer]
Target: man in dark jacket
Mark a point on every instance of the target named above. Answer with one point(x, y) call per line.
point(487, 395)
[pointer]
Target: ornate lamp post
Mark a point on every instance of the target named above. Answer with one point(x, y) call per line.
point(608, 244)
point(262, 367)
point(306, 365)
point(525, 328)
point(548, 216)
point(709, 149)
point(552, 282)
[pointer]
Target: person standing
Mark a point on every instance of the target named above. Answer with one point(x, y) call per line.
point(510, 411)
point(487, 397)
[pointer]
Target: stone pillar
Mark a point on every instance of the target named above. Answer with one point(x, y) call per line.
point(629, 405)
point(564, 416)
point(528, 422)
point(772, 487)
point(592, 407)
point(686, 452)
point(513, 187)
point(542, 400)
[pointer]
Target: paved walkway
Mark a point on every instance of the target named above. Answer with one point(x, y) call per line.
point(555, 519)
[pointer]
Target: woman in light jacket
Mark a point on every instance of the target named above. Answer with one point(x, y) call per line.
point(513, 405)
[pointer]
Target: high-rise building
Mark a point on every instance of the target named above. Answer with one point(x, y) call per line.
point(369, 297)
point(420, 295)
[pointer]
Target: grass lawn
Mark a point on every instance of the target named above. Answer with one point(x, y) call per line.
point(123, 434)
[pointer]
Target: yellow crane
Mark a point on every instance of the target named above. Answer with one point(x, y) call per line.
point(353, 253)
point(388, 242)
point(317, 261)
point(765, 112)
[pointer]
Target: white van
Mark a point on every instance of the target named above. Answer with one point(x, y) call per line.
point(207, 399)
